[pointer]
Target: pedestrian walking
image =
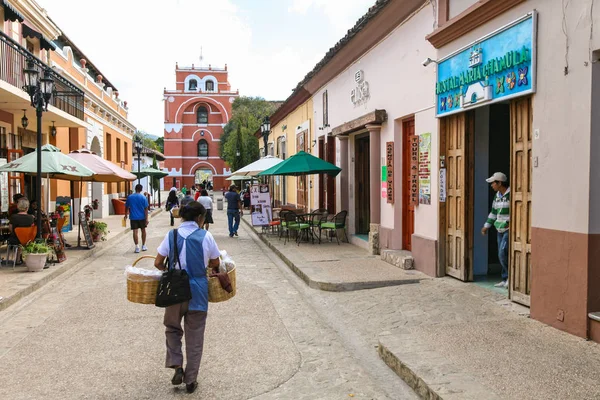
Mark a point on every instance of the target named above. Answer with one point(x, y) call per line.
point(184, 190)
point(136, 207)
point(198, 251)
point(187, 199)
point(172, 202)
point(246, 197)
point(207, 202)
point(500, 218)
point(234, 210)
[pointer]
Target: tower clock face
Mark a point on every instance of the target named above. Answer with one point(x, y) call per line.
point(231, 99)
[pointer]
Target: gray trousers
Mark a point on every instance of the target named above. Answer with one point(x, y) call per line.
point(194, 324)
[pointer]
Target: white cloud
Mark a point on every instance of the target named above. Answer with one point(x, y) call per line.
point(342, 14)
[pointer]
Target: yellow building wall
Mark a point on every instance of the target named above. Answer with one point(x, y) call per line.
point(287, 127)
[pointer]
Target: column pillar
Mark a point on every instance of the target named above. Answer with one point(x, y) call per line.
point(374, 185)
point(344, 175)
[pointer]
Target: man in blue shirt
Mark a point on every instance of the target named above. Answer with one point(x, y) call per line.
point(137, 208)
point(234, 210)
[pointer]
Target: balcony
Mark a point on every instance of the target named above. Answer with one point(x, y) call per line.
point(67, 98)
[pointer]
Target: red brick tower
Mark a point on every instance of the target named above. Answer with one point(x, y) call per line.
point(195, 114)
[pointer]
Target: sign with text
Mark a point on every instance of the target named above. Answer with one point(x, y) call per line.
point(442, 185)
point(494, 68)
point(414, 170)
point(86, 231)
point(4, 200)
point(389, 163)
point(384, 181)
point(425, 168)
point(260, 204)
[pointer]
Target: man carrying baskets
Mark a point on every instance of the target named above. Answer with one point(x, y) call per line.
point(197, 252)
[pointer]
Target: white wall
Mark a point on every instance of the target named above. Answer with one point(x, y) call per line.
point(561, 110)
point(400, 85)
point(458, 6)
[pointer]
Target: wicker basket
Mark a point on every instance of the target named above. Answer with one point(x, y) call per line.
point(140, 288)
point(216, 293)
point(175, 212)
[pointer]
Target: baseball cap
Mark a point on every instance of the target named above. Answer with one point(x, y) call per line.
point(498, 176)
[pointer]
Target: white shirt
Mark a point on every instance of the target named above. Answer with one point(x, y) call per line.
point(209, 246)
point(206, 202)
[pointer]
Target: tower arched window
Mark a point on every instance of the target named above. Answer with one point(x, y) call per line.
point(193, 84)
point(210, 86)
point(202, 115)
point(202, 148)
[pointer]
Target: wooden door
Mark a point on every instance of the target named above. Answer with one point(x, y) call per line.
point(16, 180)
point(302, 190)
point(408, 209)
point(322, 177)
point(520, 196)
point(362, 188)
point(330, 188)
point(457, 133)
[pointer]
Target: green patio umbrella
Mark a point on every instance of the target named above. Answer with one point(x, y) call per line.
point(302, 163)
point(55, 164)
point(153, 173)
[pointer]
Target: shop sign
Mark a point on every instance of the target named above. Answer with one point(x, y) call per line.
point(495, 68)
point(425, 168)
point(260, 204)
point(414, 170)
point(389, 163)
point(383, 181)
point(360, 94)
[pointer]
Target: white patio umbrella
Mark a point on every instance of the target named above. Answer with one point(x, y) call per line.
point(258, 166)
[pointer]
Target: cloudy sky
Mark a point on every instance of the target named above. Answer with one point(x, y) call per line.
point(268, 45)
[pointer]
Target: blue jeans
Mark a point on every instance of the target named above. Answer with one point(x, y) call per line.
point(503, 253)
point(231, 215)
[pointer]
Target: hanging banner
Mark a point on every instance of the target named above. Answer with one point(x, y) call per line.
point(425, 168)
point(260, 202)
point(414, 170)
point(389, 162)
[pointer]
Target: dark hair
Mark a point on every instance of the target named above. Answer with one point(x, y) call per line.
point(191, 211)
point(232, 188)
point(138, 188)
point(172, 197)
point(203, 192)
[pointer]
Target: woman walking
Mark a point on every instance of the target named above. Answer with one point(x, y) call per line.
point(198, 251)
point(172, 202)
point(207, 202)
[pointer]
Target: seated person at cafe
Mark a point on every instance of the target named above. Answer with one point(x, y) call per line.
point(33, 206)
point(12, 209)
point(20, 219)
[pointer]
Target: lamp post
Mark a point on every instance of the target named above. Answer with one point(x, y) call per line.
point(138, 147)
point(40, 92)
point(265, 129)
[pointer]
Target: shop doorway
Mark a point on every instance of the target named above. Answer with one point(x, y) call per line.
point(474, 145)
point(408, 209)
point(362, 184)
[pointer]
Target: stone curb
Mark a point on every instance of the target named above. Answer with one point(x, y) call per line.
point(8, 301)
point(328, 286)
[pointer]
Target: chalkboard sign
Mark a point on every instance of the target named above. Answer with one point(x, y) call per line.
point(86, 230)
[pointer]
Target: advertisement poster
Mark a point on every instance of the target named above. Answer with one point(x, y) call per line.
point(260, 205)
point(425, 168)
point(4, 200)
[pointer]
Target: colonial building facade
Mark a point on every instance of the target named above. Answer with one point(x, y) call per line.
point(195, 114)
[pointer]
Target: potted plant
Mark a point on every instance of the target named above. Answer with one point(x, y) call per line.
point(35, 255)
point(98, 230)
point(95, 204)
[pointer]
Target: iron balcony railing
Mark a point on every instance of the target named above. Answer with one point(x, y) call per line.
point(13, 59)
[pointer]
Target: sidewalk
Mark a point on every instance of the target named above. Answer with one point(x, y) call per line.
point(17, 284)
point(445, 338)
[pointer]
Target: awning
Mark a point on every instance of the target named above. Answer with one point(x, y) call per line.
point(44, 43)
point(10, 14)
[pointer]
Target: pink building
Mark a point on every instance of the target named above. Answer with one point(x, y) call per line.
point(195, 114)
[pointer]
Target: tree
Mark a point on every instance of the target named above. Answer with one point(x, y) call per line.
point(160, 143)
point(238, 135)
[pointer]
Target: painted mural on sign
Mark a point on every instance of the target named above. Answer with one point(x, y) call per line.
point(495, 68)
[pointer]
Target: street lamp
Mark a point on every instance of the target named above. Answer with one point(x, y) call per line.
point(265, 129)
point(40, 92)
point(138, 147)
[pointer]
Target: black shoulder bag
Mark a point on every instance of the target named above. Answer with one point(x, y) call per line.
point(174, 285)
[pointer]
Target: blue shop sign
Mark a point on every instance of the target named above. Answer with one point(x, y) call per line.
point(495, 68)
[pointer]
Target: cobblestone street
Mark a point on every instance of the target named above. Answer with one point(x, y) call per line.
point(78, 337)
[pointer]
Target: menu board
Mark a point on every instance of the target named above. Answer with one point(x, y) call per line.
point(260, 204)
point(86, 230)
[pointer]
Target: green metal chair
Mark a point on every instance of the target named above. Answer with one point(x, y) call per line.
point(336, 223)
point(296, 224)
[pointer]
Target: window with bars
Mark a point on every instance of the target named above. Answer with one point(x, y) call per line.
point(210, 86)
point(202, 148)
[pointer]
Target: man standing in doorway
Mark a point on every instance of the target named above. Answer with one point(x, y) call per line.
point(234, 210)
point(500, 219)
point(137, 208)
